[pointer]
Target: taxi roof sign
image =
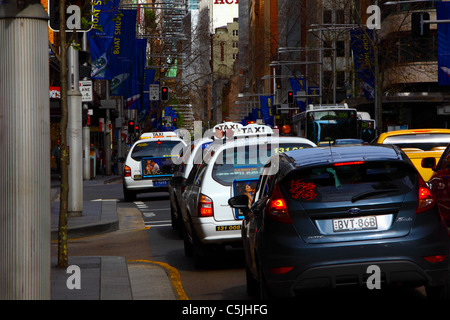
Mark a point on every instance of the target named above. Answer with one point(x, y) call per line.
point(225, 128)
point(253, 129)
point(158, 135)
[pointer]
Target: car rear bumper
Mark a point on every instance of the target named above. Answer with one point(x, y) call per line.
point(395, 272)
point(146, 185)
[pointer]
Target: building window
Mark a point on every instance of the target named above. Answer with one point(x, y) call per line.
point(235, 33)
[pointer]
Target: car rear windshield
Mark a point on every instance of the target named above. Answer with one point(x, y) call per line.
point(350, 181)
point(246, 162)
point(425, 141)
point(154, 149)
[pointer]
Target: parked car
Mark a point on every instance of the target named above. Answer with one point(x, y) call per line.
point(329, 213)
point(149, 163)
point(440, 182)
point(190, 158)
point(230, 167)
point(418, 144)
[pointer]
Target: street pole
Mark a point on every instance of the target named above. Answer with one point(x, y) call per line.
point(74, 135)
point(86, 131)
point(25, 144)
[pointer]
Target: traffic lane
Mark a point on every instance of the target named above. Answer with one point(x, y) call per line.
point(222, 279)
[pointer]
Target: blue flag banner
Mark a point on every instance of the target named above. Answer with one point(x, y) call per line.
point(135, 98)
point(364, 60)
point(298, 85)
point(266, 109)
point(123, 53)
point(101, 41)
point(443, 13)
point(256, 114)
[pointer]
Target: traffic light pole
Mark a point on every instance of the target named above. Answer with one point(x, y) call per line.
point(25, 160)
point(74, 135)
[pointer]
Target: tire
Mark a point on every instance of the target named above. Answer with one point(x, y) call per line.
point(129, 195)
point(252, 283)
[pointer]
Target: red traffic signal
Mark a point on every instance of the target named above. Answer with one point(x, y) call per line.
point(164, 93)
point(290, 96)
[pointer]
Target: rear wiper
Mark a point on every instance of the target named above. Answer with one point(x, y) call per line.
point(371, 193)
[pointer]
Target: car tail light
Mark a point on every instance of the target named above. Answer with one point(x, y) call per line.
point(127, 171)
point(280, 270)
point(426, 199)
point(277, 209)
point(205, 206)
point(435, 259)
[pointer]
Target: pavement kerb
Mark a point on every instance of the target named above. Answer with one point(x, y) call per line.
point(174, 276)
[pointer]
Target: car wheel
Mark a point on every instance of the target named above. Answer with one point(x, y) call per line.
point(252, 283)
point(129, 195)
point(438, 292)
point(264, 293)
point(173, 218)
point(188, 247)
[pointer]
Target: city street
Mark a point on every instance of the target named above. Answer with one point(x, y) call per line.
point(146, 234)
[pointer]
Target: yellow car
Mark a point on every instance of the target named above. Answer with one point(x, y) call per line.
point(419, 144)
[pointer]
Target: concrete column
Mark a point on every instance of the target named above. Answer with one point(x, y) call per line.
point(25, 148)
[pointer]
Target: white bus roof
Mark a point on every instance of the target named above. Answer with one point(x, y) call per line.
point(326, 106)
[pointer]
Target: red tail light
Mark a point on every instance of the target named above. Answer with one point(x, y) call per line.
point(127, 171)
point(205, 206)
point(426, 199)
point(277, 209)
point(435, 259)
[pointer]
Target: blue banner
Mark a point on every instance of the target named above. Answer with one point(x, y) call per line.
point(443, 13)
point(266, 109)
point(135, 99)
point(123, 53)
point(101, 41)
point(361, 43)
point(298, 85)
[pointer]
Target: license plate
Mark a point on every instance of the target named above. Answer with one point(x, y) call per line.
point(163, 183)
point(228, 228)
point(355, 224)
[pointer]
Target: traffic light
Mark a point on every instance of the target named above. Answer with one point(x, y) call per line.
point(290, 97)
point(136, 129)
point(164, 93)
point(84, 66)
point(418, 28)
point(130, 127)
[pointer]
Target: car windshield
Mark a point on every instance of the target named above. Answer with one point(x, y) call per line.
point(350, 181)
point(246, 162)
point(425, 142)
point(153, 149)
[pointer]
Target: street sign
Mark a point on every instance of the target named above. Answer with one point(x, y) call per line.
point(86, 90)
point(74, 14)
point(154, 92)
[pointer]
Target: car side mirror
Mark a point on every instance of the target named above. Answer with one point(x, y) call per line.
point(239, 202)
point(429, 162)
point(178, 181)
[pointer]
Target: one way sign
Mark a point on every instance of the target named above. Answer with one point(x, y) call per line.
point(154, 92)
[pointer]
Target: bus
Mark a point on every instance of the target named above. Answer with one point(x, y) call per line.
point(323, 124)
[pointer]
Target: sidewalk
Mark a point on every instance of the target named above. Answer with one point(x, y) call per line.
point(104, 277)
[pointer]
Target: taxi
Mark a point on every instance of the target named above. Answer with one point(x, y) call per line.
point(150, 163)
point(418, 144)
point(230, 167)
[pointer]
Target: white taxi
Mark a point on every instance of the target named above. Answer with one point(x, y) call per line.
point(230, 167)
point(150, 163)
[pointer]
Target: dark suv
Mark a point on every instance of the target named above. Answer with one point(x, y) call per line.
point(329, 216)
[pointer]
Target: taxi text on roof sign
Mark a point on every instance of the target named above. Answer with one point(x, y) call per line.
point(253, 129)
point(227, 125)
point(158, 135)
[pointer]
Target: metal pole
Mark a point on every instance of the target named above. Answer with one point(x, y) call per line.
point(86, 131)
point(25, 160)
point(74, 135)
